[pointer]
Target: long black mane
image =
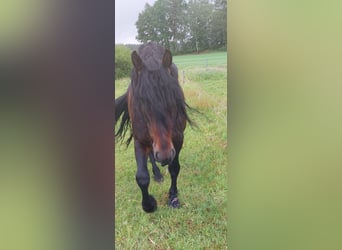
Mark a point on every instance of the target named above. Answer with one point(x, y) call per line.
point(158, 96)
point(156, 93)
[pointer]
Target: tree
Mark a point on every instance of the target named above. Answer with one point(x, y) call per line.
point(164, 22)
point(123, 65)
point(181, 25)
point(218, 32)
point(152, 25)
point(200, 14)
point(176, 21)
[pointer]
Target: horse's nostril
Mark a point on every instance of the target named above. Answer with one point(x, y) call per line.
point(156, 156)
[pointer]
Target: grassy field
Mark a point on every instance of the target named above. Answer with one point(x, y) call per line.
point(202, 220)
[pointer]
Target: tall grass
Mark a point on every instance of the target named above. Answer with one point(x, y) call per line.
point(201, 222)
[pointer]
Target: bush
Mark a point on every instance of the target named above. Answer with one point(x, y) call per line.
point(123, 65)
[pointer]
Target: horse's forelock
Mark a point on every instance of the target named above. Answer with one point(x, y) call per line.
point(152, 55)
point(158, 96)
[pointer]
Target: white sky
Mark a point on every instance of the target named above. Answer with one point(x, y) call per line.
point(126, 14)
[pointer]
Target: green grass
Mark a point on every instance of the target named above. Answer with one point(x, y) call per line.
point(202, 220)
point(204, 59)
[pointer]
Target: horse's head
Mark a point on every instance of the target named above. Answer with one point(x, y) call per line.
point(157, 94)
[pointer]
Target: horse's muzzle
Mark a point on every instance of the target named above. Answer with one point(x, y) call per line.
point(165, 157)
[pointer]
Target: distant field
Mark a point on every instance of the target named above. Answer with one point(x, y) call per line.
point(202, 220)
point(205, 59)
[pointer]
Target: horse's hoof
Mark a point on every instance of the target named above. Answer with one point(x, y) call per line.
point(158, 178)
point(150, 205)
point(174, 202)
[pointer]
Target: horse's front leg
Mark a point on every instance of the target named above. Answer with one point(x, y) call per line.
point(149, 204)
point(156, 172)
point(173, 192)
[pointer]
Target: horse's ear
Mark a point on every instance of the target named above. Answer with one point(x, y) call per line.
point(136, 60)
point(167, 59)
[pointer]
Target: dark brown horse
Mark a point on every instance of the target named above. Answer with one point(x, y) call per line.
point(154, 109)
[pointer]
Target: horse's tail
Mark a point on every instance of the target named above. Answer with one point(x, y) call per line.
point(121, 110)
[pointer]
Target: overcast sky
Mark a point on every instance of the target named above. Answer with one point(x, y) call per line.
point(126, 14)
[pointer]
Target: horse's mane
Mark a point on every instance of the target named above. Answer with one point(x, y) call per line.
point(158, 95)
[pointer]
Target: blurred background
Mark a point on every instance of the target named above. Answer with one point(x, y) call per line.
point(56, 127)
point(284, 124)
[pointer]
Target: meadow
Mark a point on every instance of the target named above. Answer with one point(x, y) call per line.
point(202, 220)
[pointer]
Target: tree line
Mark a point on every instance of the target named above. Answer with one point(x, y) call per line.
point(184, 26)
